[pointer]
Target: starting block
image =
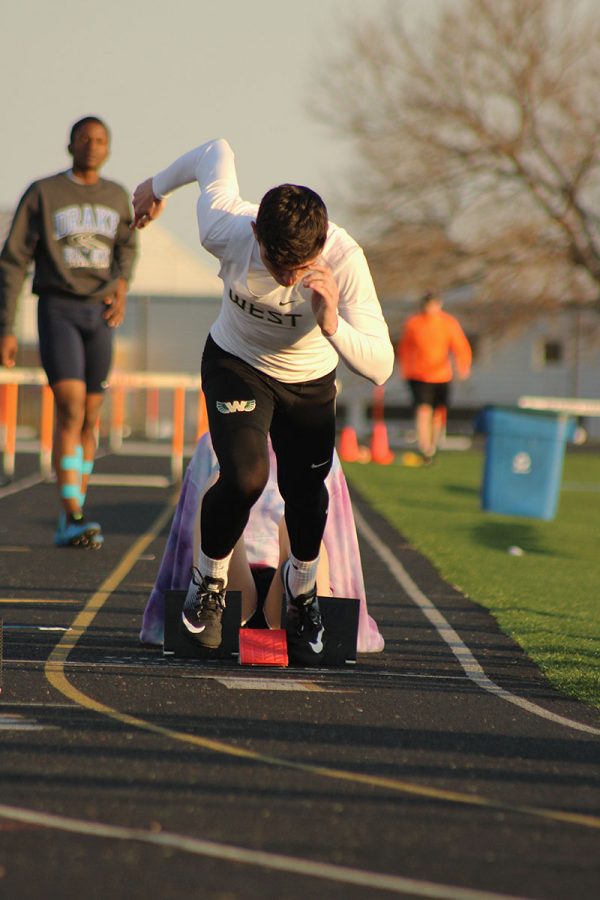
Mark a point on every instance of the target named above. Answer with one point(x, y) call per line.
point(260, 646)
point(176, 641)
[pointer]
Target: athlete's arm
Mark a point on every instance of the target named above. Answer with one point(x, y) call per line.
point(17, 254)
point(8, 350)
point(146, 206)
point(325, 297)
point(212, 166)
point(461, 349)
point(115, 305)
point(362, 337)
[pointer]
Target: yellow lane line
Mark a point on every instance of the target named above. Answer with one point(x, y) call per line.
point(54, 670)
point(11, 600)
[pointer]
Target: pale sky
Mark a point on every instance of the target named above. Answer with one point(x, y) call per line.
point(167, 76)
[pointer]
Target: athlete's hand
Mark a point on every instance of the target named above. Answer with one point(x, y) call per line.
point(8, 350)
point(115, 305)
point(146, 207)
point(325, 297)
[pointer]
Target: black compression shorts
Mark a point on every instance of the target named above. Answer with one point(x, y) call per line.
point(75, 341)
point(430, 393)
point(244, 407)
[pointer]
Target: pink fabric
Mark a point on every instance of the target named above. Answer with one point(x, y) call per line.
point(262, 544)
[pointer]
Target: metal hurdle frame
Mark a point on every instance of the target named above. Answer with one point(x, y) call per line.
point(120, 383)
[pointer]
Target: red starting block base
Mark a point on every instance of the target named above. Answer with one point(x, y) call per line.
point(263, 647)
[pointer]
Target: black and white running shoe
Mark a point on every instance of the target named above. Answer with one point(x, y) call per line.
point(304, 627)
point(203, 609)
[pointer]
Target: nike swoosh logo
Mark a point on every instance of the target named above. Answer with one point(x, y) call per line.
point(317, 645)
point(286, 302)
point(318, 465)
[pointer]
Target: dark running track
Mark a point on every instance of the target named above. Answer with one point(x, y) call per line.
point(443, 767)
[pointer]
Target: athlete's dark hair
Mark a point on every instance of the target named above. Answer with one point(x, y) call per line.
point(291, 225)
point(87, 120)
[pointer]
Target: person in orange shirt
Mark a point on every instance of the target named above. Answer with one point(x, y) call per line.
point(431, 341)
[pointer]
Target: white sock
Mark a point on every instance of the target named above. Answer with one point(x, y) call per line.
point(301, 575)
point(211, 568)
point(214, 568)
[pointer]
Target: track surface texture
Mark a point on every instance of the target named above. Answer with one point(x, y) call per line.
point(444, 767)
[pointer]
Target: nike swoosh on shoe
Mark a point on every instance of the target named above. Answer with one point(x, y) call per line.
point(317, 646)
point(195, 629)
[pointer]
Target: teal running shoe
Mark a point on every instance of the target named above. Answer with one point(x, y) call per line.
point(77, 531)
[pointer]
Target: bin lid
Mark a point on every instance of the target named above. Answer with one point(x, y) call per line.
point(520, 422)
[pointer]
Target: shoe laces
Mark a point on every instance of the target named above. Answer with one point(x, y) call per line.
point(304, 607)
point(310, 609)
point(210, 594)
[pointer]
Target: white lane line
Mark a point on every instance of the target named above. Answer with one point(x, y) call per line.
point(266, 684)
point(98, 479)
point(36, 627)
point(469, 664)
point(20, 485)
point(149, 481)
point(276, 861)
point(16, 722)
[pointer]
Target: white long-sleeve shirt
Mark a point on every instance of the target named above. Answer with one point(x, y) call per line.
point(269, 326)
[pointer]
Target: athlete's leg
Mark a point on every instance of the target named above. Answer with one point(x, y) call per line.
point(441, 396)
point(239, 406)
point(69, 397)
point(303, 436)
point(440, 414)
point(422, 395)
point(424, 428)
point(239, 411)
point(98, 346)
point(272, 603)
point(239, 576)
point(63, 359)
point(93, 403)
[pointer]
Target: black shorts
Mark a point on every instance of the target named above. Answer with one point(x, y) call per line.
point(75, 341)
point(244, 407)
point(430, 393)
point(299, 417)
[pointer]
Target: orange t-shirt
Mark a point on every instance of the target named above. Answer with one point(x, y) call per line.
point(428, 341)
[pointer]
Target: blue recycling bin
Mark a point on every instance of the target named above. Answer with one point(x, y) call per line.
point(524, 457)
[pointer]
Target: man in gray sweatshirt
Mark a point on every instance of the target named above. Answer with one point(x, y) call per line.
point(75, 228)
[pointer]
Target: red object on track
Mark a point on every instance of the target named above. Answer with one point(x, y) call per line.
point(263, 647)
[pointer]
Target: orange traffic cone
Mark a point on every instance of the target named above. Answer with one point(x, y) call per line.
point(380, 449)
point(348, 450)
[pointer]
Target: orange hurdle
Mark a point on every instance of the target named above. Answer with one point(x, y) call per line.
point(117, 416)
point(152, 382)
point(46, 431)
point(178, 433)
point(11, 398)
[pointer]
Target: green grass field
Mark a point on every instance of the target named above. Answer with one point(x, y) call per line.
point(548, 599)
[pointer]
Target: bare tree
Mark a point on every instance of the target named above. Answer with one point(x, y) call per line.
point(477, 141)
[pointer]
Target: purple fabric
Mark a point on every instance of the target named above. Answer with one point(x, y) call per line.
point(262, 544)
